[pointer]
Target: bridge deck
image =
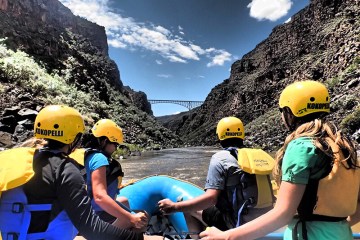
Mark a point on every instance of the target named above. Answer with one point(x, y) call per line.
point(188, 104)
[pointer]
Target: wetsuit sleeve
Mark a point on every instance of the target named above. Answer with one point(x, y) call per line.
point(73, 197)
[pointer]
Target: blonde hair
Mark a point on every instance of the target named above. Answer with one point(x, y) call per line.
point(318, 130)
point(34, 143)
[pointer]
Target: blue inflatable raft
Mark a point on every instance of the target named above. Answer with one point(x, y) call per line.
point(145, 193)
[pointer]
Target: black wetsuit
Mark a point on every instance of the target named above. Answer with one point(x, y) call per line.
point(58, 180)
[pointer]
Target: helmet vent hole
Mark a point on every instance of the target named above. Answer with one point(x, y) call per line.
point(312, 99)
point(239, 129)
point(39, 124)
point(228, 129)
point(56, 126)
point(327, 98)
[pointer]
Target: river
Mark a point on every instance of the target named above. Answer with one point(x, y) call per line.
point(190, 164)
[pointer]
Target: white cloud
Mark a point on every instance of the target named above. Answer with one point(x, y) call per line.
point(270, 10)
point(181, 30)
point(176, 59)
point(159, 62)
point(288, 20)
point(164, 75)
point(162, 30)
point(116, 44)
point(185, 51)
point(197, 49)
point(124, 32)
point(219, 57)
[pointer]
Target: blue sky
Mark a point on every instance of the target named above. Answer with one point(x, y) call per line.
point(181, 49)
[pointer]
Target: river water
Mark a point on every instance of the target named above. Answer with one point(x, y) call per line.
point(189, 164)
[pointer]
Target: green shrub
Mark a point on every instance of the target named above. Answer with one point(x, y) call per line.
point(352, 121)
point(333, 82)
point(83, 82)
point(2, 88)
point(354, 66)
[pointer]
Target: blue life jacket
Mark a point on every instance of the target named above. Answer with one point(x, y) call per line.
point(15, 212)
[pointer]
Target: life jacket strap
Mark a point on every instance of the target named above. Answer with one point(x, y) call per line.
point(304, 230)
point(316, 217)
point(19, 207)
point(29, 236)
point(242, 208)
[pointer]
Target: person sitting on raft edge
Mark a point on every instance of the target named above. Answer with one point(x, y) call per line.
point(104, 175)
point(231, 195)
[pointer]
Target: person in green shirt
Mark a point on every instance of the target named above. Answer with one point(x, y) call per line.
point(318, 173)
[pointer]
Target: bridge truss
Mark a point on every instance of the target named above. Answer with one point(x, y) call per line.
point(188, 104)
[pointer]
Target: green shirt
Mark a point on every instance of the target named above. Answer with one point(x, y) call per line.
point(301, 162)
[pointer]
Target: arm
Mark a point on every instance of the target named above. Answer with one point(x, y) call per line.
point(72, 196)
point(208, 199)
point(108, 204)
point(214, 179)
point(288, 200)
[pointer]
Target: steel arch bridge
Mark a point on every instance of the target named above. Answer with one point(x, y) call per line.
point(188, 104)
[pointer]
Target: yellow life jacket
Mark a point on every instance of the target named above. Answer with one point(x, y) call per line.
point(249, 191)
point(78, 155)
point(260, 163)
point(337, 193)
point(332, 198)
point(16, 167)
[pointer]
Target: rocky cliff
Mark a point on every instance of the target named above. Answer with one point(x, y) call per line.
point(73, 53)
point(321, 42)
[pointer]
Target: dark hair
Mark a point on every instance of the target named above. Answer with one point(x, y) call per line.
point(53, 144)
point(232, 142)
point(90, 141)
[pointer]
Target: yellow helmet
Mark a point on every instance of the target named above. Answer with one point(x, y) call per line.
point(59, 122)
point(109, 129)
point(305, 97)
point(230, 127)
